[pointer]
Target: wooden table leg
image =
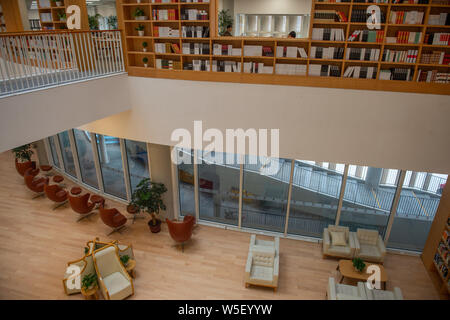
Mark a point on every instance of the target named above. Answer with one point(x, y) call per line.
point(342, 279)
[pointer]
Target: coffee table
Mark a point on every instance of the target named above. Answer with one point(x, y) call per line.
point(130, 268)
point(347, 270)
point(90, 294)
point(98, 200)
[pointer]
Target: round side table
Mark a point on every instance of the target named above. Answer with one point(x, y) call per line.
point(58, 179)
point(75, 191)
point(130, 268)
point(98, 200)
point(46, 169)
point(90, 294)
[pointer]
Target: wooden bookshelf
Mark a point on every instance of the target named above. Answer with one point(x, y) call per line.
point(135, 53)
point(10, 19)
point(52, 14)
point(441, 260)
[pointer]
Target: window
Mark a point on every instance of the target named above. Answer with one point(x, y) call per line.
point(52, 144)
point(111, 165)
point(315, 197)
point(264, 197)
point(66, 152)
point(86, 157)
point(186, 181)
point(218, 190)
point(367, 204)
point(419, 200)
point(137, 161)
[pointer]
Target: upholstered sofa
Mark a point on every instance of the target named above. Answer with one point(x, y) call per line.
point(376, 294)
point(262, 266)
point(369, 246)
point(346, 250)
point(337, 291)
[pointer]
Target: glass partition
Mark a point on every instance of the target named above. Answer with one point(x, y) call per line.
point(137, 161)
point(186, 182)
point(218, 189)
point(315, 197)
point(111, 165)
point(54, 153)
point(86, 157)
point(66, 152)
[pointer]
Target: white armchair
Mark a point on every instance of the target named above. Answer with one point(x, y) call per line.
point(337, 291)
point(262, 266)
point(115, 282)
point(375, 294)
point(342, 251)
point(369, 246)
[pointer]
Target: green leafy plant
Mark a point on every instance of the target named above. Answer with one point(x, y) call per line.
point(23, 153)
point(125, 259)
point(145, 60)
point(93, 21)
point(359, 264)
point(139, 27)
point(144, 44)
point(89, 280)
point(86, 250)
point(112, 22)
point(225, 19)
point(138, 12)
point(62, 15)
point(148, 197)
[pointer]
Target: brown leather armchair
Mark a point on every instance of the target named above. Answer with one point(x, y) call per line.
point(21, 167)
point(55, 193)
point(33, 183)
point(81, 205)
point(181, 231)
point(112, 218)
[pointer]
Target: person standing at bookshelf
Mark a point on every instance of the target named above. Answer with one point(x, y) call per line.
point(292, 35)
point(229, 31)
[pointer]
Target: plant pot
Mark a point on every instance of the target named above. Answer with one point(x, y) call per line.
point(141, 18)
point(144, 49)
point(58, 3)
point(63, 19)
point(155, 228)
point(141, 33)
point(138, 1)
point(132, 209)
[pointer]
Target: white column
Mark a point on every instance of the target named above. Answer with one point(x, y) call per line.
point(241, 183)
point(126, 173)
point(288, 207)
point(341, 195)
point(394, 206)
point(97, 162)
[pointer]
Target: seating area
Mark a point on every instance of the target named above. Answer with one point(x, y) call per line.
point(337, 291)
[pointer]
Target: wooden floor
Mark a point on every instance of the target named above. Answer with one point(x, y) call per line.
point(36, 243)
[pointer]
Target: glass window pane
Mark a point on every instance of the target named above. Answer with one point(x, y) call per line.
point(111, 165)
point(367, 202)
point(416, 209)
point(51, 142)
point(86, 157)
point(186, 182)
point(137, 161)
point(314, 199)
point(66, 152)
point(264, 197)
point(218, 189)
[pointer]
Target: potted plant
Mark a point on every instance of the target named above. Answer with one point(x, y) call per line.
point(57, 3)
point(89, 281)
point(148, 197)
point(140, 30)
point(144, 46)
point(139, 14)
point(22, 156)
point(145, 61)
point(62, 16)
point(359, 264)
point(86, 250)
point(125, 259)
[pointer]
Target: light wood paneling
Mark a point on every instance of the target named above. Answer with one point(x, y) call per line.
point(37, 242)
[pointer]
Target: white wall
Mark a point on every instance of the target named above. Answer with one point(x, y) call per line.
point(28, 117)
point(381, 129)
point(272, 6)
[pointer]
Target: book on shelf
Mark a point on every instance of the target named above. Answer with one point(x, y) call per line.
point(226, 50)
point(361, 15)
point(165, 14)
point(406, 17)
point(437, 38)
point(197, 65)
point(46, 17)
point(328, 34)
point(290, 69)
point(434, 76)
point(267, 51)
point(405, 37)
point(257, 67)
point(326, 53)
point(253, 50)
point(324, 70)
point(165, 32)
point(371, 1)
point(441, 19)
point(404, 74)
point(168, 64)
point(226, 66)
point(362, 54)
point(290, 52)
point(360, 72)
point(403, 56)
point(410, 1)
point(193, 14)
point(367, 36)
point(195, 48)
point(195, 32)
point(435, 57)
point(329, 16)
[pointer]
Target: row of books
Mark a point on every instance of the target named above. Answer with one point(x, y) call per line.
point(443, 250)
point(360, 72)
point(167, 48)
point(197, 65)
point(435, 57)
point(193, 14)
point(329, 16)
point(257, 51)
point(226, 66)
point(327, 53)
point(361, 15)
point(324, 70)
point(405, 37)
point(396, 74)
point(406, 17)
point(165, 32)
point(182, 1)
point(46, 17)
point(367, 36)
point(371, 1)
point(446, 237)
point(404, 56)
point(437, 38)
point(195, 48)
point(194, 32)
point(440, 264)
point(226, 50)
point(257, 67)
point(328, 34)
point(168, 64)
point(442, 19)
point(165, 14)
point(362, 54)
point(411, 1)
point(291, 52)
point(291, 69)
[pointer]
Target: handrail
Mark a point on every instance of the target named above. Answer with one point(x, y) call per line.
point(41, 32)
